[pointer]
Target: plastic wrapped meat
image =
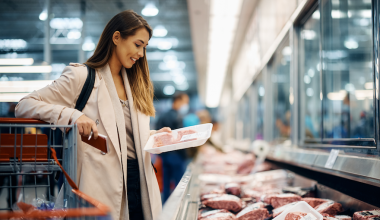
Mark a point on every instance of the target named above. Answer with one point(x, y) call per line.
point(220, 216)
point(162, 140)
point(280, 200)
point(369, 215)
point(229, 202)
point(260, 195)
point(182, 133)
point(233, 189)
point(331, 208)
point(210, 196)
point(300, 216)
point(314, 202)
point(203, 213)
point(278, 211)
point(253, 212)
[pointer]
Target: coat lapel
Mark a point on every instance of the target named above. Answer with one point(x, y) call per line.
point(141, 132)
point(107, 115)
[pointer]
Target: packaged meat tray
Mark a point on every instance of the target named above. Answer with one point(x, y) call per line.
point(314, 202)
point(331, 208)
point(367, 215)
point(300, 207)
point(182, 138)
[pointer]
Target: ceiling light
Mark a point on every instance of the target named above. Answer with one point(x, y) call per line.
point(363, 94)
point(163, 42)
point(12, 44)
point(261, 91)
point(316, 15)
point(16, 61)
point(183, 87)
point(22, 86)
point(224, 16)
point(311, 73)
point(74, 34)
point(351, 44)
point(165, 45)
point(338, 14)
point(88, 45)
point(149, 10)
point(349, 87)
point(287, 51)
point(160, 31)
point(306, 79)
point(43, 16)
point(368, 85)
point(12, 97)
point(308, 34)
point(25, 69)
point(66, 23)
point(337, 96)
point(309, 92)
point(169, 90)
point(179, 79)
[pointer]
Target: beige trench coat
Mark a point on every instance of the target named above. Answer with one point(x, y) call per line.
point(100, 176)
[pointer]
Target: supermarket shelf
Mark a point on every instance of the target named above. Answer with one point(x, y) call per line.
point(361, 169)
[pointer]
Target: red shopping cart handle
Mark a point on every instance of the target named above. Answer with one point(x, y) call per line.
point(21, 121)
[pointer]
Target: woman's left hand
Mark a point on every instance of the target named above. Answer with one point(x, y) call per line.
point(164, 129)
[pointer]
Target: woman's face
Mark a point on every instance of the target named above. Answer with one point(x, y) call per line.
point(129, 50)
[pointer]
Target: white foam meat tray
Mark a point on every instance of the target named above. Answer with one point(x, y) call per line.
point(301, 206)
point(204, 129)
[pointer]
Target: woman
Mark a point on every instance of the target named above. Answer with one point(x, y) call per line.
point(122, 103)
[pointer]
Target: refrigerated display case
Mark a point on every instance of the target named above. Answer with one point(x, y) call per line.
point(322, 83)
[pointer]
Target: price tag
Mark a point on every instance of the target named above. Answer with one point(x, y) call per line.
point(332, 158)
point(193, 136)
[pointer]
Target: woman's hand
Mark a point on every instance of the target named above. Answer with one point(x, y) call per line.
point(164, 129)
point(85, 124)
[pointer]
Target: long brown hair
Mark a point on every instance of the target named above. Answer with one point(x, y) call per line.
point(127, 23)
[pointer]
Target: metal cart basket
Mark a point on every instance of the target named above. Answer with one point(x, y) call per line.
point(31, 154)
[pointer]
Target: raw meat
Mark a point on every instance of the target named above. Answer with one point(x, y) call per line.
point(331, 208)
point(162, 140)
point(233, 188)
point(220, 216)
point(314, 202)
point(253, 212)
point(280, 200)
point(372, 214)
point(185, 132)
point(229, 202)
point(210, 196)
point(207, 212)
point(295, 215)
point(278, 211)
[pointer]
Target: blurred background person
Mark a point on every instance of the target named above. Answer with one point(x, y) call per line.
point(174, 162)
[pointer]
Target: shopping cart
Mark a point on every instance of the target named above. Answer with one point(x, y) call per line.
point(31, 154)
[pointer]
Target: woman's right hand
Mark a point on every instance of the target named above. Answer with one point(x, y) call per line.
point(85, 124)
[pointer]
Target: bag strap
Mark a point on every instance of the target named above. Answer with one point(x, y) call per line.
point(86, 90)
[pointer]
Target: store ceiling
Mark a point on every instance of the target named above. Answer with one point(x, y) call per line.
point(19, 19)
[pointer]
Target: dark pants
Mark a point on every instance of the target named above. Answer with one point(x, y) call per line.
point(134, 191)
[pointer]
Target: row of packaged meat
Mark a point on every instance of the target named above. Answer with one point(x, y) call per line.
point(229, 195)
